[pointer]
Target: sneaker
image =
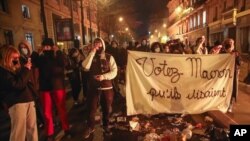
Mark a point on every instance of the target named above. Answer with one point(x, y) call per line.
point(50, 138)
point(107, 131)
point(88, 132)
point(230, 109)
point(68, 134)
point(76, 103)
point(40, 125)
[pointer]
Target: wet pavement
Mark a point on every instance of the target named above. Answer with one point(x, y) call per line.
point(241, 109)
point(143, 127)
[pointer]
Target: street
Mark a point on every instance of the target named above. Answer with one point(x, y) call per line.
point(120, 122)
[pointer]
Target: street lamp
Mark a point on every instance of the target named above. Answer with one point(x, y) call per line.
point(126, 28)
point(120, 19)
point(164, 25)
point(178, 9)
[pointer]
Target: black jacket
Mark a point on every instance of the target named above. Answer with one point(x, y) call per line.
point(15, 88)
point(51, 72)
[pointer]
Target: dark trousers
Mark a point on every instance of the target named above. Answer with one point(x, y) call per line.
point(106, 100)
point(75, 83)
point(85, 78)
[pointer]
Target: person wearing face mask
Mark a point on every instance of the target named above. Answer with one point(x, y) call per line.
point(102, 69)
point(156, 47)
point(25, 54)
point(16, 89)
point(52, 87)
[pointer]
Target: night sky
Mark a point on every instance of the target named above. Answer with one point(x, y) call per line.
point(139, 13)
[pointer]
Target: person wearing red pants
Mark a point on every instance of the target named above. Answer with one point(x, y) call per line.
point(102, 69)
point(52, 87)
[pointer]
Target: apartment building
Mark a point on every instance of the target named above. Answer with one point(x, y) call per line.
point(214, 19)
point(21, 19)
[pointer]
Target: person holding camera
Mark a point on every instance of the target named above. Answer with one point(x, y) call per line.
point(16, 88)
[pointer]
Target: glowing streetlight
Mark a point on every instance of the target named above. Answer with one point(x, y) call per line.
point(126, 28)
point(178, 9)
point(164, 25)
point(120, 19)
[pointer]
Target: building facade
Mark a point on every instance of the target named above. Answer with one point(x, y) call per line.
point(214, 19)
point(21, 19)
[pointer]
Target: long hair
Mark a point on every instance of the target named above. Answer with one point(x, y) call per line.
point(5, 57)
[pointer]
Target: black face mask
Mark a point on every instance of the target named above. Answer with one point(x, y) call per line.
point(49, 53)
point(15, 62)
point(99, 51)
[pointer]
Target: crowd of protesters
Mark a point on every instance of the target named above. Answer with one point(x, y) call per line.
point(35, 81)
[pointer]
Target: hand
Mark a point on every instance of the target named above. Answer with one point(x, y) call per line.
point(28, 65)
point(99, 77)
point(55, 48)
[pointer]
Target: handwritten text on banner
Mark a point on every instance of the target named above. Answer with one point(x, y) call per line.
point(163, 83)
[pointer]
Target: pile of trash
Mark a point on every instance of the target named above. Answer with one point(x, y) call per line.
point(164, 127)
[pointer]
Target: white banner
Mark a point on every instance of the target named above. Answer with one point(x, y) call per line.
point(173, 83)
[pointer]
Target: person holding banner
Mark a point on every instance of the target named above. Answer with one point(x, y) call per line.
point(228, 47)
point(102, 69)
point(200, 46)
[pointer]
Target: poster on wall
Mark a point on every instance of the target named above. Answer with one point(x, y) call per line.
point(64, 30)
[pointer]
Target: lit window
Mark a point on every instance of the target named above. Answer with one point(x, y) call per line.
point(204, 17)
point(198, 20)
point(29, 38)
point(194, 21)
point(190, 23)
point(26, 11)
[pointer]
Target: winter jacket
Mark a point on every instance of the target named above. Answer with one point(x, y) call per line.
point(15, 87)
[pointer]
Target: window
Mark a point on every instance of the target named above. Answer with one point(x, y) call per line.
point(204, 18)
point(75, 6)
point(26, 11)
point(66, 3)
point(29, 38)
point(194, 23)
point(225, 5)
point(3, 6)
point(198, 20)
point(88, 13)
point(215, 14)
point(190, 23)
point(245, 39)
point(8, 35)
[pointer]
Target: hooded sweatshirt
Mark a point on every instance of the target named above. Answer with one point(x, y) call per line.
point(100, 64)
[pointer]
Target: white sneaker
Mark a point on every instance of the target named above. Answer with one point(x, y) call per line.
point(230, 109)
